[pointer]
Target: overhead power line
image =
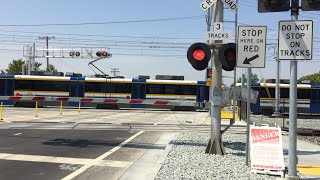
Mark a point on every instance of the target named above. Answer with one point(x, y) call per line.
point(105, 23)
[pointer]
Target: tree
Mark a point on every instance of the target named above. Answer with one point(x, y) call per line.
point(15, 67)
point(254, 78)
point(51, 68)
point(2, 72)
point(37, 66)
point(314, 78)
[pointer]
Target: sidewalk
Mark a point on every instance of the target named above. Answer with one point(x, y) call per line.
point(308, 157)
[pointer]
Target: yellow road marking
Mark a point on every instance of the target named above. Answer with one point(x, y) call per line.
point(309, 169)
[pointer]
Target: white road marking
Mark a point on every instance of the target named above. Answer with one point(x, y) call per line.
point(87, 166)
point(164, 119)
point(17, 134)
point(63, 160)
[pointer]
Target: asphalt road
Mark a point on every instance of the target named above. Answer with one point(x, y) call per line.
point(66, 154)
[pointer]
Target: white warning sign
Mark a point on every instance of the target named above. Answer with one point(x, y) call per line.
point(295, 40)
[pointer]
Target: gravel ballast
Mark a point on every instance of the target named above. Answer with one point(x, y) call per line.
point(187, 159)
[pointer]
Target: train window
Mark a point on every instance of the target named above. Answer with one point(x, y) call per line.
point(108, 87)
point(122, 88)
point(284, 93)
point(171, 89)
point(188, 90)
point(272, 92)
point(50, 85)
point(154, 89)
point(23, 85)
point(94, 87)
point(41, 85)
point(303, 94)
point(263, 93)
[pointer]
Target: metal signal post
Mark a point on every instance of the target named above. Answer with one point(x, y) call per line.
point(215, 145)
point(293, 104)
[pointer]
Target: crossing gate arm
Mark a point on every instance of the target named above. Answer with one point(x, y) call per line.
point(100, 100)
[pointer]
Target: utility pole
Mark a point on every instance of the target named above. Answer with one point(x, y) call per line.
point(293, 104)
point(277, 109)
point(215, 145)
point(47, 43)
point(114, 71)
point(33, 57)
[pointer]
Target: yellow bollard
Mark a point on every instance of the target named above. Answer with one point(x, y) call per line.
point(36, 115)
point(60, 107)
point(79, 107)
point(1, 108)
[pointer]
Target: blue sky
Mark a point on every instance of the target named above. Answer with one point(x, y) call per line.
point(133, 44)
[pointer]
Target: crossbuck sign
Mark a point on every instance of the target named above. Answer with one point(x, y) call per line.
point(206, 4)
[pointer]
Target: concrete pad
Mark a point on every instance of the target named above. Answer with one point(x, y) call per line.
point(149, 164)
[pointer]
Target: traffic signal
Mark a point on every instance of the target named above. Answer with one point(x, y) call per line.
point(227, 56)
point(102, 53)
point(199, 55)
point(310, 5)
point(273, 5)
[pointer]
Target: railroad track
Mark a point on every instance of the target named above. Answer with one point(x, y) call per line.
point(304, 131)
point(115, 126)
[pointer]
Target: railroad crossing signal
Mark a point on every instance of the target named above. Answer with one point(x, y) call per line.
point(72, 53)
point(199, 55)
point(284, 5)
point(227, 56)
point(62, 52)
point(102, 54)
point(310, 5)
point(273, 6)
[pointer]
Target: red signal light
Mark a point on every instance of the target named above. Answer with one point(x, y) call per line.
point(102, 54)
point(199, 54)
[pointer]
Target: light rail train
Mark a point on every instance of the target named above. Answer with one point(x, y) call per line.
point(25, 85)
point(308, 98)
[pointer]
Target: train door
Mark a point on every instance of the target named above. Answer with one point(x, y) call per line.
point(76, 89)
point(315, 98)
point(138, 91)
point(7, 87)
point(256, 108)
point(202, 92)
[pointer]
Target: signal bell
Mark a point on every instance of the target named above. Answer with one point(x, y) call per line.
point(199, 55)
point(227, 56)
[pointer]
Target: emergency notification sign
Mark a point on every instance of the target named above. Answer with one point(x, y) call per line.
point(295, 40)
point(266, 150)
